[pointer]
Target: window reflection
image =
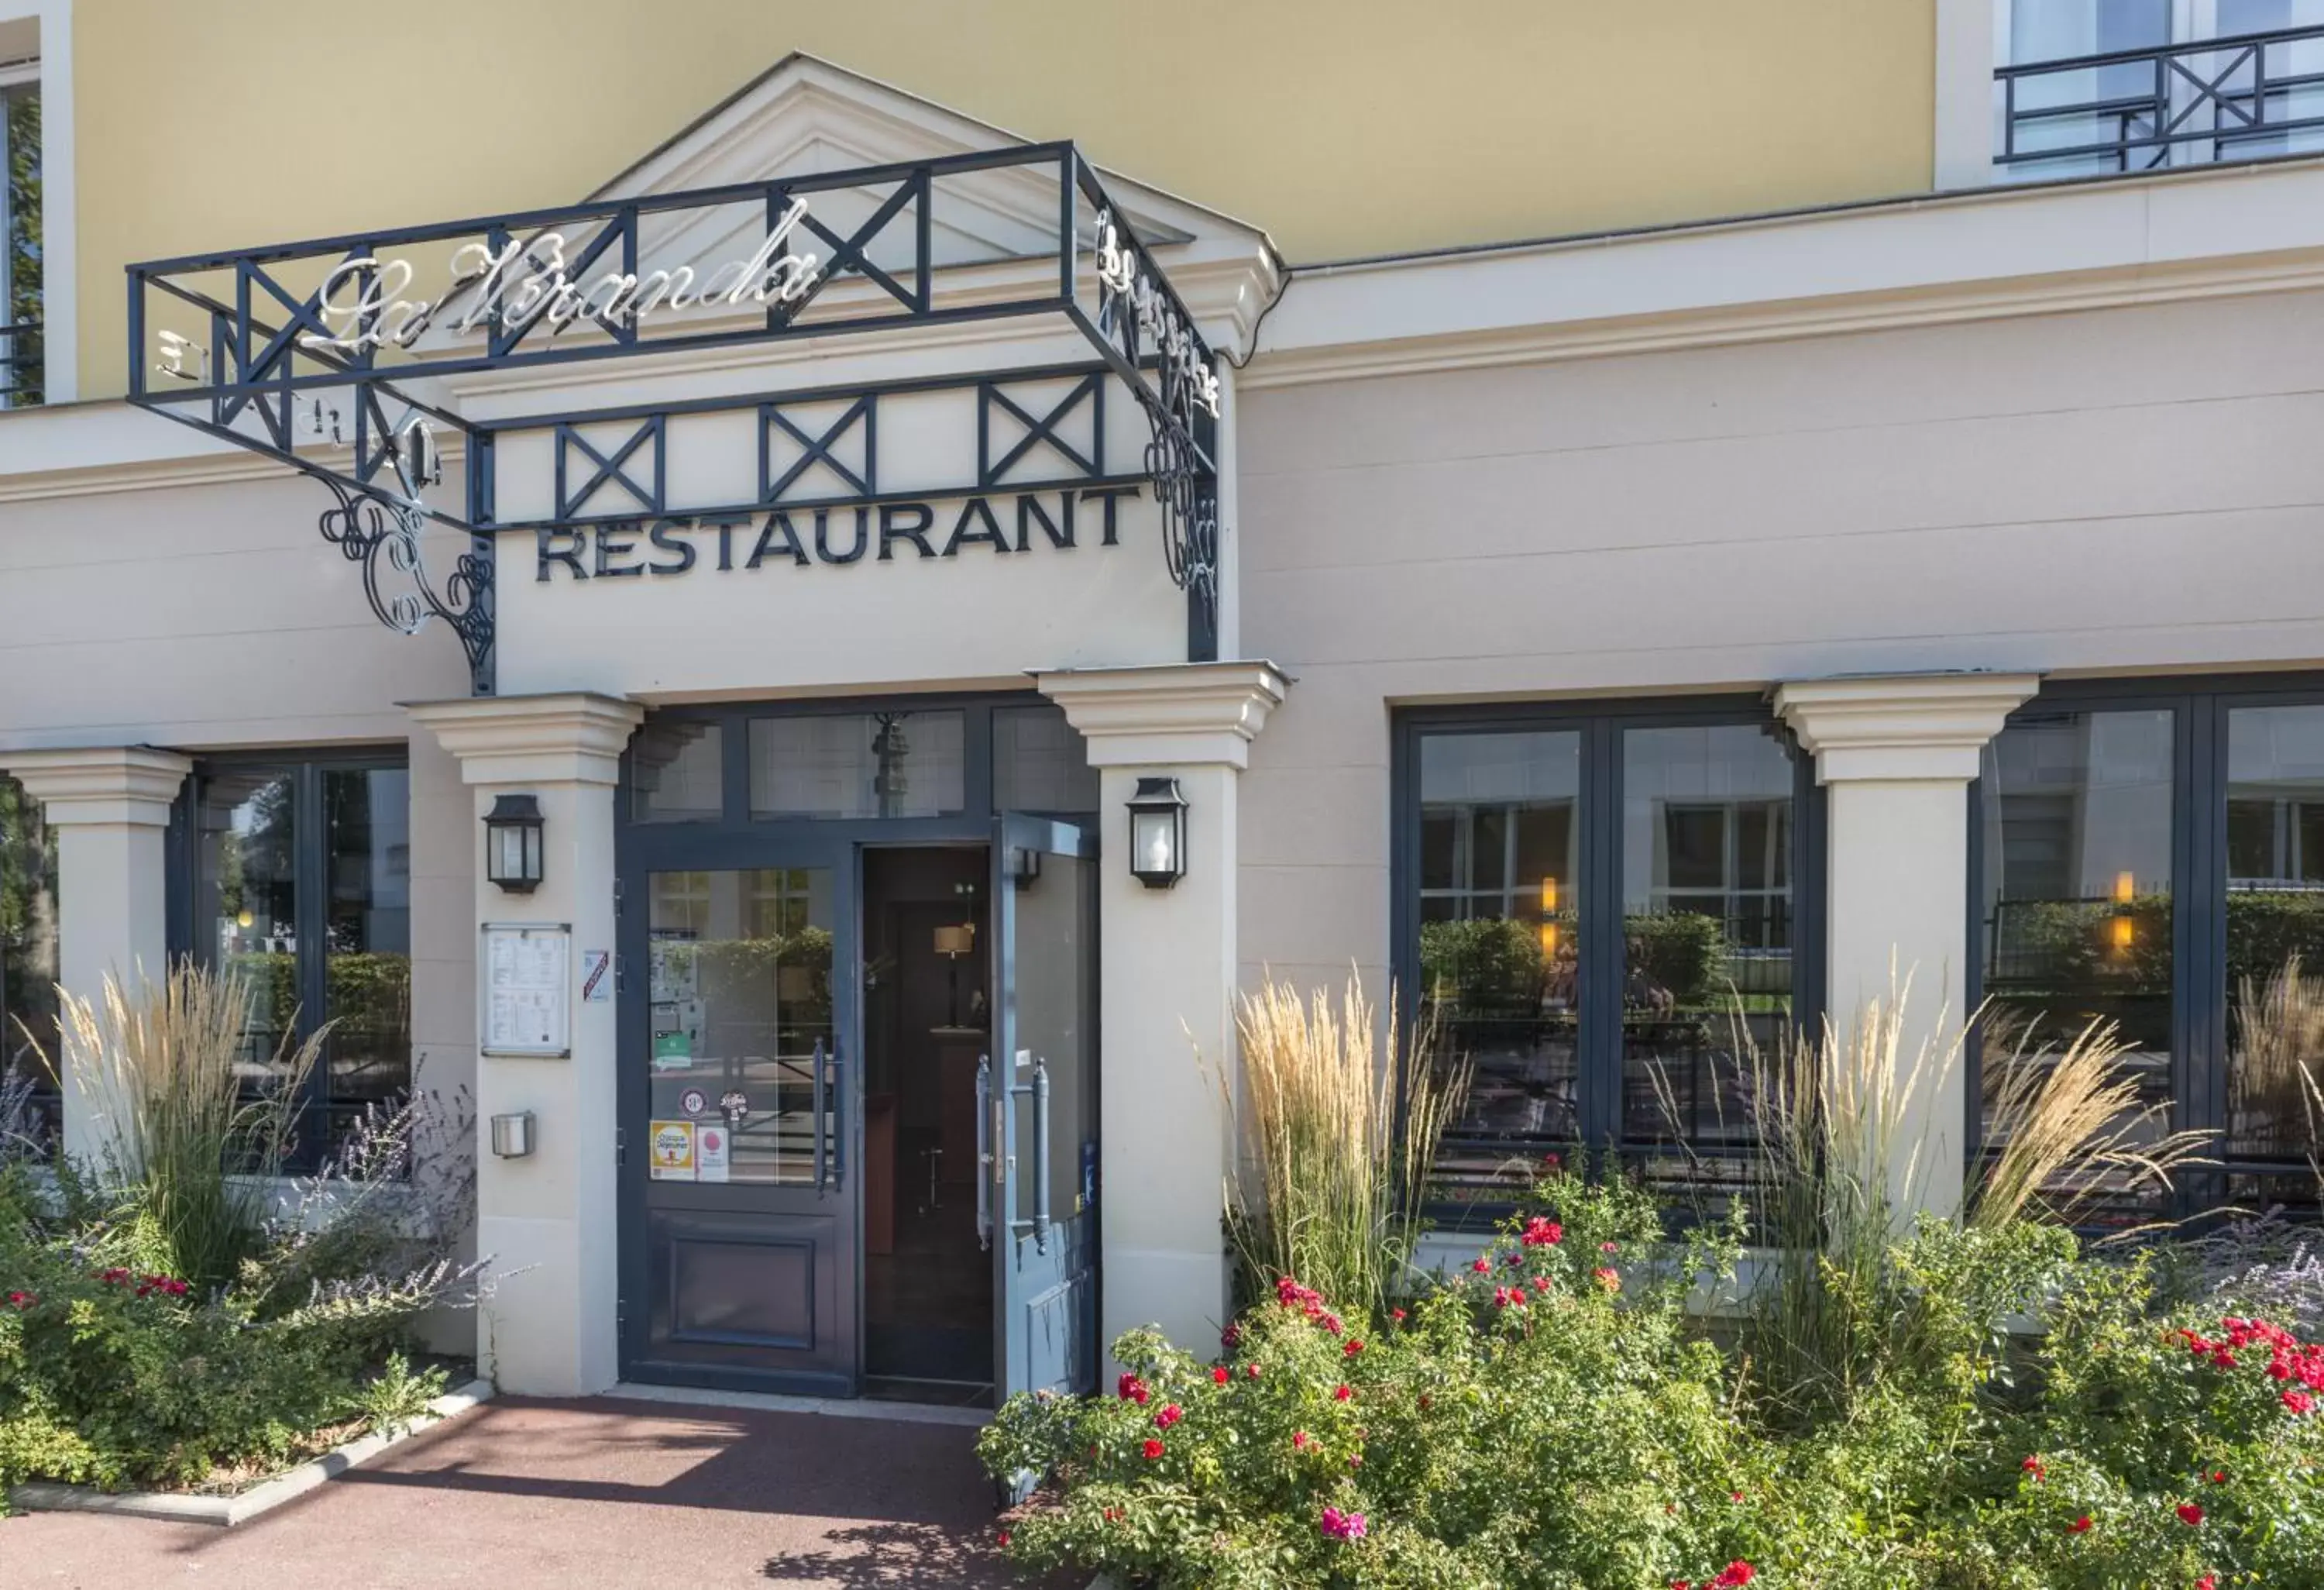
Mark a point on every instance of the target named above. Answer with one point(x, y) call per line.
point(1706, 843)
point(859, 765)
point(248, 835)
point(367, 935)
point(740, 969)
point(2077, 897)
point(1498, 948)
point(2275, 933)
point(28, 965)
point(678, 771)
point(1040, 763)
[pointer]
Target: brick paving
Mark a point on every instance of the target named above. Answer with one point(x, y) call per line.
point(580, 1495)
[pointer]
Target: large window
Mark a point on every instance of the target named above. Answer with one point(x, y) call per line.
point(298, 880)
point(2153, 858)
point(21, 380)
point(28, 963)
point(1601, 915)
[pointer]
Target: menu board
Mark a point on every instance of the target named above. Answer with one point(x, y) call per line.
point(526, 982)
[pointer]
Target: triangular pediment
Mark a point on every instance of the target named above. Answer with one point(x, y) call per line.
point(807, 116)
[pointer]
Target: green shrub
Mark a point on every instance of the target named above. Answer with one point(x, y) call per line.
point(1592, 1435)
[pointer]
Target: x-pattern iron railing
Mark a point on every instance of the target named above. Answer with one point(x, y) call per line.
point(2135, 106)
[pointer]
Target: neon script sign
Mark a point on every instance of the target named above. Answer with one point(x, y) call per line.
point(530, 282)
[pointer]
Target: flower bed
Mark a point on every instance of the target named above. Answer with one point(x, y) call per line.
point(1552, 1417)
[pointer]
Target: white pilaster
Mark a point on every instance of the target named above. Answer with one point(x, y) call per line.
point(1967, 51)
point(1895, 755)
point(110, 808)
point(548, 1221)
point(1166, 982)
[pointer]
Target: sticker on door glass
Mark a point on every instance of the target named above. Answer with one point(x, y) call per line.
point(673, 1051)
point(735, 1102)
point(692, 1102)
point(671, 1147)
point(710, 1154)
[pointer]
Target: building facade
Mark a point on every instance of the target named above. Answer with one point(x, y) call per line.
point(1112, 510)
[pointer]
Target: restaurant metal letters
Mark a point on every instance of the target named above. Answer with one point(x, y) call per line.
point(346, 382)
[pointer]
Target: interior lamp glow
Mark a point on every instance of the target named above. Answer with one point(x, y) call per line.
point(512, 843)
point(1158, 833)
point(2126, 888)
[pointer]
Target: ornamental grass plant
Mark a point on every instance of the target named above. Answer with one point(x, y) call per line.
point(1339, 1117)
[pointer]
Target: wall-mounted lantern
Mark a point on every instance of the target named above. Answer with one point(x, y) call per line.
point(1158, 833)
point(512, 843)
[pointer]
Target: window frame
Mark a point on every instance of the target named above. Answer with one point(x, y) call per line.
point(2201, 1002)
point(189, 939)
point(1601, 724)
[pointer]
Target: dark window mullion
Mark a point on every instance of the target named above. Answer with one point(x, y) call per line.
point(310, 896)
point(1600, 1028)
point(2199, 993)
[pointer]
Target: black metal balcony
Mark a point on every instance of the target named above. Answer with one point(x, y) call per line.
point(20, 365)
point(2236, 97)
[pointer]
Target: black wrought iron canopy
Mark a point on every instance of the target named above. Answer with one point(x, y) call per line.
point(332, 357)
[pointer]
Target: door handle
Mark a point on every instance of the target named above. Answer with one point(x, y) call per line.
point(1041, 1155)
point(984, 1152)
point(814, 1114)
point(838, 1118)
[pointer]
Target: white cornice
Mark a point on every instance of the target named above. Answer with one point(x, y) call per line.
point(571, 737)
point(1895, 727)
point(131, 785)
point(1183, 714)
point(1981, 255)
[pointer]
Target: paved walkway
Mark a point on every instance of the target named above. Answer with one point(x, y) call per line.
point(577, 1495)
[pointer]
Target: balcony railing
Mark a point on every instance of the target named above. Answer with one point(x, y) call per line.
point(2209, 100)
point(20, 365)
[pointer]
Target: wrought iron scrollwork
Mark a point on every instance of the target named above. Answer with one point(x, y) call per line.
point(381, 533)
point(1144, 321)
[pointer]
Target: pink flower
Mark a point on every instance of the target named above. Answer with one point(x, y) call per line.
point(1171, 1414)
point(1738, 1572)
point(1250, 1370)
point(1153, 1449)
point(1342, 1526)
point(1611, 1280)
point(1540, 1232)
point(1132, 1390)
point(2208, 1582)
point(1397, 1314)
point(2191, 1514)
point(1482, 1265)
point(1299, 1441)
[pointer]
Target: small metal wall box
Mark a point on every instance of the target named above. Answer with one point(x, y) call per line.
point(513, 1135)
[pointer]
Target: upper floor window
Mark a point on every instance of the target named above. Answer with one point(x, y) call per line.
point(20, 381)
point(2087, 87)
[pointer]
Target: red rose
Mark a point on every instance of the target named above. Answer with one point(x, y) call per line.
point(1397, 1314)
point(1342, 1395)
point(1736, 1572)
point(2033, 1466)
point(2080, 1525)
point(2299, 1403)
point(1171, 1414)
point(2190, 1514)
point(1250, 1370)
point(1153, 1449)
point(1482, 1265)
point(1220, 1376)
point(1352, 1348)
point(1004, 1537)
point(1541, 1232)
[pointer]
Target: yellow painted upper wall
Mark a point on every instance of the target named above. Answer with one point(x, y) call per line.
point(1343, 127)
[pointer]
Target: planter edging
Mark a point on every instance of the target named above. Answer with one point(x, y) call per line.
point(226, 1511)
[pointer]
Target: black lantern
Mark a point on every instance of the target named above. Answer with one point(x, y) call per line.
point(512, 831)
point(1158, 833)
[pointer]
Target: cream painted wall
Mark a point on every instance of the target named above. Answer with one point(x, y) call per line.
point(1346, 127)
point(2126, 489)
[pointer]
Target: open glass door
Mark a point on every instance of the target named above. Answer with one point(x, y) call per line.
point(1037, 1092)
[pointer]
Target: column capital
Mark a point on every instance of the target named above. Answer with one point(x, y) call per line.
point(120, 784)
point(572, 737)
point(1890, 727)
point(1177, 713)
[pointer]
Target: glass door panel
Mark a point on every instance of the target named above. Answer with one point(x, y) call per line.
point(740, 1140)
point(1038, 1203)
